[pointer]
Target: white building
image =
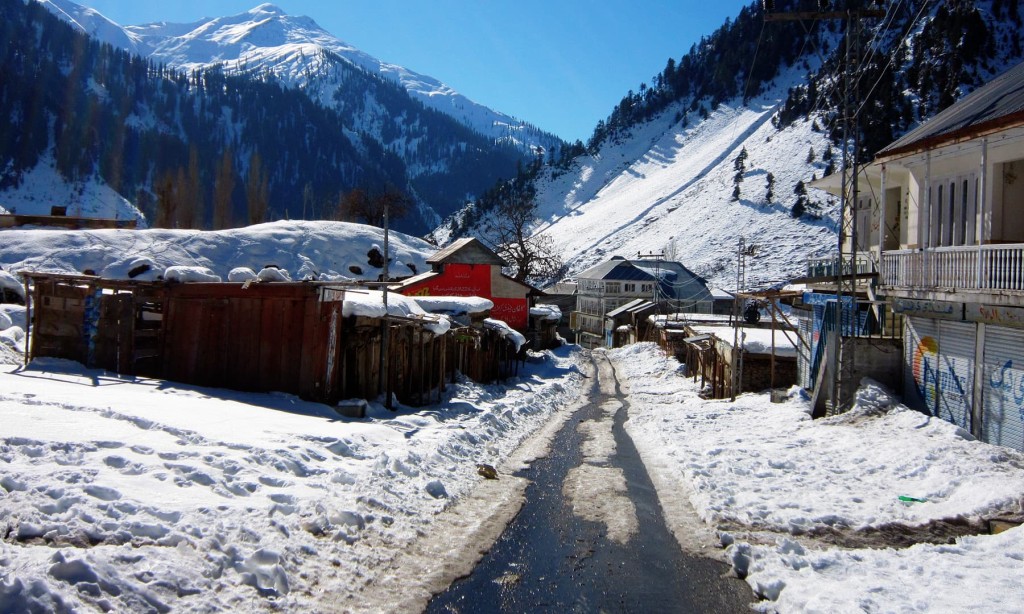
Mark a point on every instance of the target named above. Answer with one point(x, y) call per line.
point(606, 287)
point(940, 217)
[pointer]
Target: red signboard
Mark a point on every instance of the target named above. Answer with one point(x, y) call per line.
point(473, 280)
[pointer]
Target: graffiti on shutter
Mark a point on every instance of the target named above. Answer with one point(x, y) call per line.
point(1002, 420)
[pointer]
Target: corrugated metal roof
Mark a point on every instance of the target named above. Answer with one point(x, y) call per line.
point(997, 104)
point(616, 270)
point(633, 305)
point(480, 253)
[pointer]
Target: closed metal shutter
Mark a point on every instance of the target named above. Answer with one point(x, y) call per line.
point(806, 332)
point(1002, 420)
point(939, 366)
point(920, 343)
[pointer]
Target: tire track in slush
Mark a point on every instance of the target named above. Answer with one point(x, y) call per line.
point(591, 535)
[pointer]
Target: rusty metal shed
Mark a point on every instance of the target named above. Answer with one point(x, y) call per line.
point(261, 337)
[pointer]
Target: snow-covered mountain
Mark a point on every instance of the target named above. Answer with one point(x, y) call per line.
point(668, 189)
point(660, 174)
point(298, 52)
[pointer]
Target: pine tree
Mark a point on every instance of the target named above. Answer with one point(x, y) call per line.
point(741, 167)
point(256, 190)
point(223, 186)
point(769, 188)
point(800, 206)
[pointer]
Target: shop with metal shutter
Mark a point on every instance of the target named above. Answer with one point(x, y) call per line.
point(939, 363)
point(1002, 420)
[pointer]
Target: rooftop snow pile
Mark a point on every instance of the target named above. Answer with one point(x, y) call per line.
point(546, 312)
point(328, 251)
point(370, 304)
point(456, 305)
point(506, 332)
point(753, 340)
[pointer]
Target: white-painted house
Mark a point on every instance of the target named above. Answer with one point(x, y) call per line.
point(604, 288)
point(940, 217)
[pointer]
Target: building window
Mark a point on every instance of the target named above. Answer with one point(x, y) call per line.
point(613, 287)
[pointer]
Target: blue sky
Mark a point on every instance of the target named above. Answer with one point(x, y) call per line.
point(559, 64)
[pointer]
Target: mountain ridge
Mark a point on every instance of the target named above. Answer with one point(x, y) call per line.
point(267, 39)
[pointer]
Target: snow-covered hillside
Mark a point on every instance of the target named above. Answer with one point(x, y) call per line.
point(266, 39)
point(669, 188)
point(43, 187)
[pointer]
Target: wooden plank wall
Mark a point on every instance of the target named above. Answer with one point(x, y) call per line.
point(267, 337)
point(58, 320)
point(263, 338)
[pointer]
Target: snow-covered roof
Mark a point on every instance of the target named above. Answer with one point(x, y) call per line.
point(506, 332)
point(370, 304)
point(318, 250)
point(454, 304)
point(753, 340)
point(635, 306)
point(468, 250)
point(546, 312)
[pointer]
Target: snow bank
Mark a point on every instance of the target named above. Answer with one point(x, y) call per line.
point(753, 465)
point(142, 495)
point(980, 573)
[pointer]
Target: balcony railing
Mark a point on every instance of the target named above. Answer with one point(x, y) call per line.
point(977, 268)
point(829, 266)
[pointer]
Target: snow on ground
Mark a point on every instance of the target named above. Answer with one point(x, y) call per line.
point(138, 494)
point(306, 250)
point(763, 472)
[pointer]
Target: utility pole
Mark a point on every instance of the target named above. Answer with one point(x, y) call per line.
point(741, 280)
point(658, 256)
point(853, 12)
point(385, 325)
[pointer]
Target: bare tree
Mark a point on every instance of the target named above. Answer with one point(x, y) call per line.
point(358, 206)
point(507, 229)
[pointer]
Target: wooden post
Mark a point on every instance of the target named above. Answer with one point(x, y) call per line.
point(28, 320)
point(772, 367)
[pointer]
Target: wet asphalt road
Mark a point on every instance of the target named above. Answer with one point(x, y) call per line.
point(550, 558)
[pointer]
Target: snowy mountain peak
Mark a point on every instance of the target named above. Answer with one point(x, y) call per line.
point(266, 8)
point(266, 39)
point(93, 23)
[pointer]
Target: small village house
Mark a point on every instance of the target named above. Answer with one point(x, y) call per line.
point(467, 267)
point(608, 286)
point(940, 222)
